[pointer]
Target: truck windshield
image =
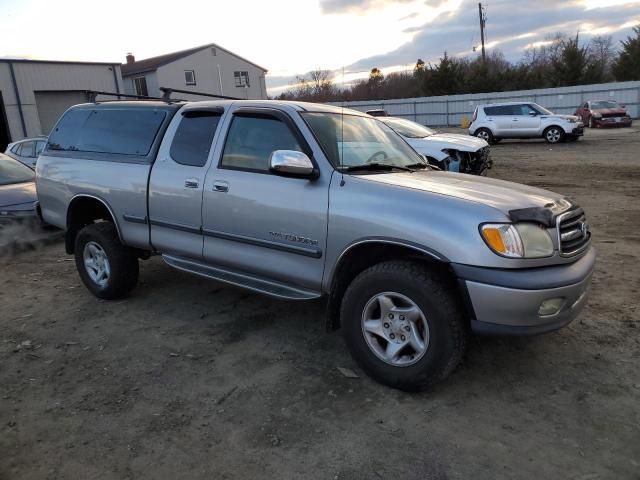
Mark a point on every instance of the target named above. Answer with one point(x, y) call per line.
point(353, 140)
point(407, 128)
point(12, 171)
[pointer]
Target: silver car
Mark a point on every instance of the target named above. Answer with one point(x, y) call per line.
point(26, 150)
point(497, 121)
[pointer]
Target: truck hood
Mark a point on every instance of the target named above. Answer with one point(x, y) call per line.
point(17, 194)
point(499, 194)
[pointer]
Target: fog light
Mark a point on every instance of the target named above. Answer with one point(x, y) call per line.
point(550, 306)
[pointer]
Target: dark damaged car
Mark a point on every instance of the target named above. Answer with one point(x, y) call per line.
point(604, 113)
point(18, 199)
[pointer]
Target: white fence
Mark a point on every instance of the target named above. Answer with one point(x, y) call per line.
point(450, 109)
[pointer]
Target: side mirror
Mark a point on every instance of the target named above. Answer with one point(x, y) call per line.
point(291, 163)
point(533, 114)
point(623, 106)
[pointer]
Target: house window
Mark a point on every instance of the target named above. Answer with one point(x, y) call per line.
point(241, 78)
point(140, 84)
point(190, 77)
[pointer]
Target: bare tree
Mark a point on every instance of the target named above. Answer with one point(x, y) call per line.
point(602, 55)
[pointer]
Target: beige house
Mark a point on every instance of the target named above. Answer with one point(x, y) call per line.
point(208, 69)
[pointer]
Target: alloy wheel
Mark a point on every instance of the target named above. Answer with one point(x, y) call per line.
point(96, 263)
point(395, 329)
point(553, 135)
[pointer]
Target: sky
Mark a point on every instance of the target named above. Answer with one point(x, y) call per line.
point(292, 37)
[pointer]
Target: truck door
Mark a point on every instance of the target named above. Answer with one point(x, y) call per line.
point(176, 182)
point(257, 222)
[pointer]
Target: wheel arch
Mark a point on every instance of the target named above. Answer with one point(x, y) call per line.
point(362, 254)
point(83, 210)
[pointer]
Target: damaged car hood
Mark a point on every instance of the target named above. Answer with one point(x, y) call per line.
point(434, 145)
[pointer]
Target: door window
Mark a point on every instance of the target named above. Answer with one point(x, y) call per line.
point(28, 150)
point(524, 110)
point(251, 141)
point(193, 138)
point(499, 111)
point(40, 147)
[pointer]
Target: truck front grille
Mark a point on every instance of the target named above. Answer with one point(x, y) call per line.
point(573, 232)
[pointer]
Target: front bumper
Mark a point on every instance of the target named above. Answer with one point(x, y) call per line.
point(611, 122)
point(578, 131)
point(507, 302)
point(12, 217)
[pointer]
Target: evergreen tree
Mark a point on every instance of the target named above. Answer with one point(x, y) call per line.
point(627, 66)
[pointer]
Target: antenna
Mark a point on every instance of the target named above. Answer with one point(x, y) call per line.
point(342, 132)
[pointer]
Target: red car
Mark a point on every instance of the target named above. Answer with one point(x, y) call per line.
point(604, 113)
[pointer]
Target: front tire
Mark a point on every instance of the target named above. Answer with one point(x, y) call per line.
point(107, 268)
point(486, 135)
point(554, 134)
point(403, 325)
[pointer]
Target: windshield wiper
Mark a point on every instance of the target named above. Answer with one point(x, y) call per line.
point(418, 166)
point(375, 166)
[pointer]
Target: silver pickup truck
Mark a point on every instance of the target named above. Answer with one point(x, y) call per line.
point(303, 201)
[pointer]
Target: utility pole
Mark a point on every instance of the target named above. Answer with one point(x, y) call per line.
point(483, 20)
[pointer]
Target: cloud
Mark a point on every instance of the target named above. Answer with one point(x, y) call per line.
point(511, 28)
point(354, 6)
point(459, 33)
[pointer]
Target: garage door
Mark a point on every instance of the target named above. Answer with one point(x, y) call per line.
point(51, 105)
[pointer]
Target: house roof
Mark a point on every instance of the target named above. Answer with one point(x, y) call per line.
point(150, 64)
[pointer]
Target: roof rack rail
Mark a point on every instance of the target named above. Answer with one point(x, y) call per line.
point(168, 91)
point(92, 94)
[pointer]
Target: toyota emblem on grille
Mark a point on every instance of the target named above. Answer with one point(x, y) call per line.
point(584, 228)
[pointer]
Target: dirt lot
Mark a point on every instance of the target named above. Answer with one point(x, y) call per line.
point(193, 379)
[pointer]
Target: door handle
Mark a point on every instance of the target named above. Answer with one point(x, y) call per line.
point(220, 186)
point(191, 183)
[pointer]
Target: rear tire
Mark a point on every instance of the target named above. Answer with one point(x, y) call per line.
point(486, 135)
point(107, 268)
point(409, 300)
point(554, 134)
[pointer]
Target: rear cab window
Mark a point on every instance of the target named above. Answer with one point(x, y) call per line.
point(124, 132)
point(111, 131)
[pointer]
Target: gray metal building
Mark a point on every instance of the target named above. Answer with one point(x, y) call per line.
point(34, 93)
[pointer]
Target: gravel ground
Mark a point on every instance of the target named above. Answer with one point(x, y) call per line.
point(193, 379)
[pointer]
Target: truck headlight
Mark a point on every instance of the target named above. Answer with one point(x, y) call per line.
point(520, 240)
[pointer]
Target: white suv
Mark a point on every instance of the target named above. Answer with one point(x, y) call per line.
point(523, 120)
